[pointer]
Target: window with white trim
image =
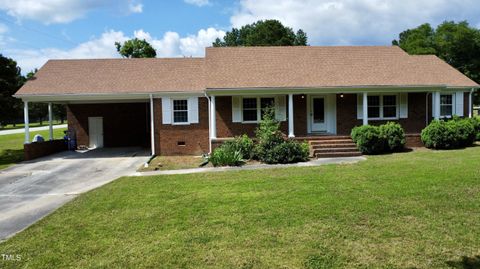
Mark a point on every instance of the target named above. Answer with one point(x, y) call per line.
point(446, 105)
point(253, 108)
point(180, 111)
point(382, 106)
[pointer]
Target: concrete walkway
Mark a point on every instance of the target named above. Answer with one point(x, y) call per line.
point(315, 162)
point(31, 190)
point(33, 129)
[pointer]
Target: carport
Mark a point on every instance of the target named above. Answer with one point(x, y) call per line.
point(97, 121)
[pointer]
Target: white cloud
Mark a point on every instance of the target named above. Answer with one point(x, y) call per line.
point(3, 28)
point(170, 45)
point(135, 7)
point(199, 3)
point(61, 11)
point(359, 22)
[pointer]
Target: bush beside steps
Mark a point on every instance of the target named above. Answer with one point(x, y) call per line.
point(271, 146)
point(370, 139)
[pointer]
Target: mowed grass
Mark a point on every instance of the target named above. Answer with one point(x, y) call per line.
point(31, 125)
point(410, 210)
point(11, 146)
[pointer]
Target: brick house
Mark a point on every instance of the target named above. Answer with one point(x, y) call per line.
point(184, 105)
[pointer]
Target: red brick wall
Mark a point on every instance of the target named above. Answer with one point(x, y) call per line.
point(195, 136)
point(40, 149)
point(347, 114)
point(124, 124)
point(227, 128)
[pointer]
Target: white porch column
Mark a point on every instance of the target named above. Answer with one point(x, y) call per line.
point(26, 121)
point(213, 118)
point(436, 105)
point(152, 126)
point(470, 105)
point(50, 124)
point(365, 108)
point(291, 132)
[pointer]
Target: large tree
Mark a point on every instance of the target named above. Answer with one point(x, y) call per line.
point(262, 33)
point(10, 81)
point(136, 48)
point(456, 43)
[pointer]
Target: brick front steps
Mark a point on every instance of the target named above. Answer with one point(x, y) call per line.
point(332, 146)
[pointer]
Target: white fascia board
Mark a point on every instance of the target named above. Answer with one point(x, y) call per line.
point(72, 98)
point(372, 89)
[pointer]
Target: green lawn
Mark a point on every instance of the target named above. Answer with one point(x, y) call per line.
point(410, 210)
point(31, 125)
point(11, 146)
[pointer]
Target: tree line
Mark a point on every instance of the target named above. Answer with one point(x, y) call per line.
point(11, 108)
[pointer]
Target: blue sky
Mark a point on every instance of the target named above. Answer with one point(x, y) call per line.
point(33, 31)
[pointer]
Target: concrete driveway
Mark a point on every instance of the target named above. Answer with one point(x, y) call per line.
point(31, 190)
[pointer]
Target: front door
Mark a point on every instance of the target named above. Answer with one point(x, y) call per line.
point(95, 132)
point(318, 114)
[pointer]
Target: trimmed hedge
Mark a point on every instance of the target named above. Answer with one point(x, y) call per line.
point(451, 134)
point(372, 139)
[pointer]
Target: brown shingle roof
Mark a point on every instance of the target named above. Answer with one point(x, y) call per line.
point(247, 67)
point(251, 67)
point(117, 76)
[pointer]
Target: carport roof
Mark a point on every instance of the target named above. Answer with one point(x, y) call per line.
point(122, 76)
point(247, 68)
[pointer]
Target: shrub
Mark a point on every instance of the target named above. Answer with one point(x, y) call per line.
point(455, 133)
point(226, 155)
point(368, 139)
point(243, 144)
point(268, 135)
point(476, 125)
point(289, 151)
point(394, 136)
point(272, 146)
point(464, 131)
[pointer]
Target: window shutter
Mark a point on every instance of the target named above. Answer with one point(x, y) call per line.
point(459, 104)
point(359, 106)
point(280, 108)
point(193, 109)
point(403, 105)
point(236, 109)
point(166, 110)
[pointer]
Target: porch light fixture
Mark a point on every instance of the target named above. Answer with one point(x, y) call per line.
point(303, 96)
point(341, 95)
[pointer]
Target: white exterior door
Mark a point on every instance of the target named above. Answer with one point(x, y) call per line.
point(317, 114)
point(95, 132)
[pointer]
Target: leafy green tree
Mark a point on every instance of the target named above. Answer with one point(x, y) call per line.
point(59, 112)
point(419, 40)
point(456, 43)
point(10, 81)
point(136, 48)
point(262, 33)
point(38, 112)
